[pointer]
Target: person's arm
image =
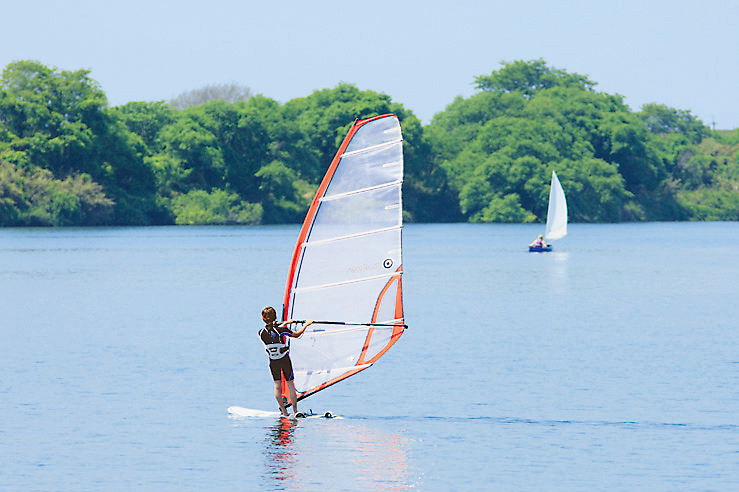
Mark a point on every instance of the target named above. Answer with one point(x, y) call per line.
point(296, 334)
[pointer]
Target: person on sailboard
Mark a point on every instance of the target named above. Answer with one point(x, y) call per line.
point(539, 242)
point(274, 336)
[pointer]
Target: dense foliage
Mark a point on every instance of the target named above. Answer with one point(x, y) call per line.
point(222, 156)
point(500, 146)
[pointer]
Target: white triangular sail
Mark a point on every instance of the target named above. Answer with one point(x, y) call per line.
point(347, 263)
point(557, 213)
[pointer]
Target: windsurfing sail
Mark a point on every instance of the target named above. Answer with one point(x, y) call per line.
point(557, 213)
point(347, 264)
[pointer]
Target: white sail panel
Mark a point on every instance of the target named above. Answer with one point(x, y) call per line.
point(347, 267)
point(378, 132)
point(557, 213)
point(352, 259)
point(368, 168)
point(371, 210)
point(355, 302)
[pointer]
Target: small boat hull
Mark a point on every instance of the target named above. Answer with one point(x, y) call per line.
point(539, 249)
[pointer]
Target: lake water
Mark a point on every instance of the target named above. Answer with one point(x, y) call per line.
point(610, 364)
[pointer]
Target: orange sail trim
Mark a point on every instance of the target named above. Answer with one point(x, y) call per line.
point(393, 284)
point(397, 330)
point(325, 385)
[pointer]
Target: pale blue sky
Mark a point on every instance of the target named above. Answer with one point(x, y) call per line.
point(684, 54)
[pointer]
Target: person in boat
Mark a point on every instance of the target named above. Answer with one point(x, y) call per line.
point(274, 336)
point(539, 242)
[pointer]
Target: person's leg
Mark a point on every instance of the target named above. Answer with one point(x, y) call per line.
point(293, 396)
point(276, 371)
point(278, 397)
point(290, 380)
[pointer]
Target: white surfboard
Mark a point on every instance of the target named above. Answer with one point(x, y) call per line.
point(250, 412)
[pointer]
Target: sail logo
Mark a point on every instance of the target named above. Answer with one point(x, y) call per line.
point(364, 268)
point(388, 263)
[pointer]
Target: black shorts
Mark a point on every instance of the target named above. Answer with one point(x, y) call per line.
point(281, 366)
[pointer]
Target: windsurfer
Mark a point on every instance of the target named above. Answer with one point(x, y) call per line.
point(274, 336)
point(538, 242)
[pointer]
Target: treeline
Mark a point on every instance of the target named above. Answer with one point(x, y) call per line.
point(67, 158)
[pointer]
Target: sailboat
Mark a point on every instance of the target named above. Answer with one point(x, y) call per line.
point(556, 227)
point(347, 266)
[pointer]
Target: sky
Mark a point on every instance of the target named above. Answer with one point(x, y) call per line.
point(422, 53)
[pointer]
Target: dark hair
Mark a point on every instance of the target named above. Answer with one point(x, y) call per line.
point(269, 315)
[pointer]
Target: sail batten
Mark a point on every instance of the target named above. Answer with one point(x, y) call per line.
point(334, 369)
point(354, 192)
point(346, 282)
point(347, 263)
point(351, 236)
point(372, 147)
point(318, 333)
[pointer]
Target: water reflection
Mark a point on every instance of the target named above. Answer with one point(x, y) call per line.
point(280, 454)
point(336, 454)
point(379, 459)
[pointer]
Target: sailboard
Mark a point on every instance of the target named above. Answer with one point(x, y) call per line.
point(236, 411)
point(241, 412)
point(556, 227)
point(347, 267)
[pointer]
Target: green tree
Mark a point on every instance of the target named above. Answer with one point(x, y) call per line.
point(499, 147)
point(34, 198)
point(68, 159)
point(285, 197)
point(661, 119)
point(50, 116)
point(199, 207)
point(146, 120)
point(59, 121)
point(529, 77)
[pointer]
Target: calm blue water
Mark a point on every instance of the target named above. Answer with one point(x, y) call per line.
point(610, 364)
